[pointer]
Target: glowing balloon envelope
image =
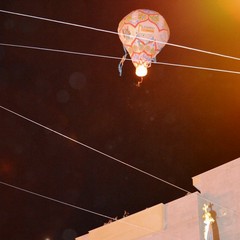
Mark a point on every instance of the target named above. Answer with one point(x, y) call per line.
point(143, 34)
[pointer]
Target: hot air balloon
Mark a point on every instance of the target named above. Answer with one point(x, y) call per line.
point(143, 34)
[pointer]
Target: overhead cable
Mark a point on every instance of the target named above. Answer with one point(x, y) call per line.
point(116, 33)
point(106, 155)
point(110, 219)
point(55, 200)
point(116, 58)
point(94, 149)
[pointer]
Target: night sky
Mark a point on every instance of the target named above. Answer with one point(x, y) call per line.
point(179, 123)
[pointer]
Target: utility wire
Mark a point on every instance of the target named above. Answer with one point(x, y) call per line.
point(58, 201)
point(94, 149)
point(197, 67)
point(106, 155)
point(59, 51)
point(116, 58)
point(113, 32)
point(96, 213)
point(80, 208)
point(109, 57)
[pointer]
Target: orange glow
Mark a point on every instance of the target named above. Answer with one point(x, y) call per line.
point(231, 7)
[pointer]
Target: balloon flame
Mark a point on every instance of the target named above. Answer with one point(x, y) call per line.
point(141, 71)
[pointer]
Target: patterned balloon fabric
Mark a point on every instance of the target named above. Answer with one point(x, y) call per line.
point(143, 33)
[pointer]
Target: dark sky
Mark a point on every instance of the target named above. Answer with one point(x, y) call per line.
point(179, 123)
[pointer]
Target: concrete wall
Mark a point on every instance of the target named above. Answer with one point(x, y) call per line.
point(221, 187)
point(182, 219)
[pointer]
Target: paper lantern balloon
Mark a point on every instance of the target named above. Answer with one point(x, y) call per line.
point(143, 34)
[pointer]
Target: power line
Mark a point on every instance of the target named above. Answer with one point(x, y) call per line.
point(94, 149)
point(57, 21)
point(58, 201)
point(59, 51)
point(115, 58)
point(97, 213)
point(113, 32)
point(197, 67)
point(110, 57)
point(106, 155)
point(76, 207)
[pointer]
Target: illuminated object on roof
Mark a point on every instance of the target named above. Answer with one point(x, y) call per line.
point(207, 220)
point(143, 34)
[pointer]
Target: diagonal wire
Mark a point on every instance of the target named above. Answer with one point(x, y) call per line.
point(82, 209)
point(106, 155)
point(116, 58)
point(103, 56)
point(113, 32)
point(55, 200)
point(94, 149)
point(59, 51)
